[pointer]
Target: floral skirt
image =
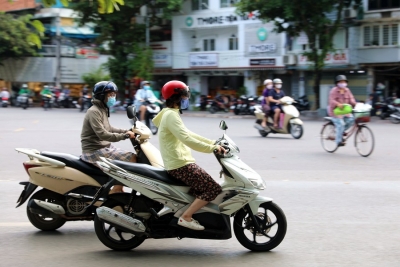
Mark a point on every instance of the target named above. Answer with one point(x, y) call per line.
point(110, 152)
point(202, 185)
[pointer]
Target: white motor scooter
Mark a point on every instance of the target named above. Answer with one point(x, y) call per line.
point(157, 200)
point(291, 123)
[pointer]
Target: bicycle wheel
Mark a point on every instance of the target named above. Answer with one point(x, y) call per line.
point(328, 137)
point(364, 141)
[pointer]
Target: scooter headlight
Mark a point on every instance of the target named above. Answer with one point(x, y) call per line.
point(258, 183)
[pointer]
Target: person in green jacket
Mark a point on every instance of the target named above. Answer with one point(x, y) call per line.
point(175, 144)
point(24, 90)
point(45, 91)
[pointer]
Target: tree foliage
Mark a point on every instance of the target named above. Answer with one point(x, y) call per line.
point(122, 34)
point(20, 36)
point(308, 16)
point(95, 76)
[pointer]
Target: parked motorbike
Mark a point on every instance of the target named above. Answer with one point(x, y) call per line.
point(289, 121)
point(302, 103)
point(217, 106)
point(71, 188)
point(4, 102)
point(395, 116)
point(86, 102)
point(244, 105)
point(47, 101)
point(23, 101)
point(385, 109)
point(157, 200)
point(151, 111)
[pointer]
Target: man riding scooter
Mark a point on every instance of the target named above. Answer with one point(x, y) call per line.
point(273, 97)
point(143, 95)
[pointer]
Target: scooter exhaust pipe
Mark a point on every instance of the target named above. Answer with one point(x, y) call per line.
point(119, 219)
point(45, 208)
point(395, 116)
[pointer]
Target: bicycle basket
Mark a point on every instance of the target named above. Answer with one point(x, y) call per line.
point(362, 117)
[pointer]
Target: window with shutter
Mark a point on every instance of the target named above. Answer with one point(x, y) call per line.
point(367, 36)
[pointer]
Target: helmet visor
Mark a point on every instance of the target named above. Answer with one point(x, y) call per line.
point(186, 92)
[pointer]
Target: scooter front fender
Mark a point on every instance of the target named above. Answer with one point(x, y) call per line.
point(296, 121)
point(255, 203)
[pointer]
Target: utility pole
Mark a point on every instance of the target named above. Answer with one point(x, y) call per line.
point(58, 52)
point(147, 28)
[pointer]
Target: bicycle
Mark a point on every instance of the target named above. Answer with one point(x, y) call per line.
point(363, 140)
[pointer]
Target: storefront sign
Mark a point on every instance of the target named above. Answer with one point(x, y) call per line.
point(262, 48)
point(219, 20)
point(203, 60)
point(335, 58)
point(262, 34)
point(161, 60)
point(262, 62)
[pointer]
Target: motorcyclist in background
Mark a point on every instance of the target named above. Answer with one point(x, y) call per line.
point(24, 90)
point(45, 91)
point(142, 95)
point(273, 97)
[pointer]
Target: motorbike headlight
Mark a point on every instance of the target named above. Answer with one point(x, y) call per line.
point(258, 183)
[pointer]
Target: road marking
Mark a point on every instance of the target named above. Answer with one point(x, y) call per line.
point(11, 224)
point(19, 129)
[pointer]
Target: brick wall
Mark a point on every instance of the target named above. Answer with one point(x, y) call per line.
point(13, 5)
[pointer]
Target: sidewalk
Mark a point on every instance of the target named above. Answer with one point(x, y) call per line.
point(230, 115)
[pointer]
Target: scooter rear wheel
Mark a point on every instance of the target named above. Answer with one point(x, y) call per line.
point(272, 222)
point(41, 222)
point(113, 237)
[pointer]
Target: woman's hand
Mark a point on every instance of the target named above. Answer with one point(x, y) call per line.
point(220, 150)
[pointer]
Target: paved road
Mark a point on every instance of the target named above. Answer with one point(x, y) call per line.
point(342, 209)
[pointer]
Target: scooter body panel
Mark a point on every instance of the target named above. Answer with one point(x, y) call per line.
point(60, 180)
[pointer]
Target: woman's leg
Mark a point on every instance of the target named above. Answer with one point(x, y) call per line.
point(202, 186)
point(196, 205)
point(142, 112)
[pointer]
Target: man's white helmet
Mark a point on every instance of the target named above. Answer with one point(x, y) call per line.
point(277, 80)
point(25, 85)
point(267, 81)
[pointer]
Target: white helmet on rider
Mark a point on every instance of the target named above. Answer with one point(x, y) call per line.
point(267, 81)
point(24, 85)
point(277, 80)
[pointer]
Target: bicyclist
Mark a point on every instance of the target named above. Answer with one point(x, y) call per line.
point(340, 95)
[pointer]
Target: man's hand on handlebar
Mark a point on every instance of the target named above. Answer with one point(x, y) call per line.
point(131, 134)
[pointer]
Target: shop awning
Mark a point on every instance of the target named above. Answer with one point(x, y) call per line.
point(73, 32)
point(213, 69)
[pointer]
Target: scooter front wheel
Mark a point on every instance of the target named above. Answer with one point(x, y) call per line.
point(272, 222)
point(296, 131)
point(40, 221)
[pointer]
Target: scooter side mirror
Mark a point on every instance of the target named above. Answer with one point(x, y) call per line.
point(131, 112)
point(222, 125)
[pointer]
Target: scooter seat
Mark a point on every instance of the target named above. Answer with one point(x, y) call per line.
point(82, 166)
point(149, 171)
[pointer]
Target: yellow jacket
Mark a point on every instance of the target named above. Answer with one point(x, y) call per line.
point(176, 140)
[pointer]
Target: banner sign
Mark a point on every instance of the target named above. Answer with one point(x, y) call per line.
point(262, 48)
point(262, 62)
point(335, 58)
point(203, 60)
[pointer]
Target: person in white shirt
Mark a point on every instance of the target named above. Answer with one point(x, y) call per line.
point(142, 95)
point(4, 93)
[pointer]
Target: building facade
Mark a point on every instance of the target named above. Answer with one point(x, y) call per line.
point(221, 52)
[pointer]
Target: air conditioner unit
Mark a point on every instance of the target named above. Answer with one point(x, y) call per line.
point(349, 13)
point(289, 59)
